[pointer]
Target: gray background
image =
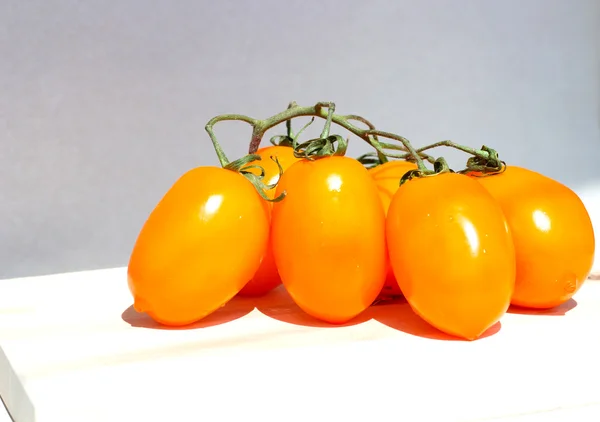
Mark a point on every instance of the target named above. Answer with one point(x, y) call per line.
point(103, 103)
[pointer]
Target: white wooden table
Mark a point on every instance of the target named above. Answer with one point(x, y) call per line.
point(74, 351)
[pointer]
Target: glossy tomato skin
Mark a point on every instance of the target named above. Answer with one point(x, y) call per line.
point(452, 253)
point(553, 235)
point(188, 259)
point(387, 179)
point(267, 276)
point(328, 236)
point(285, 156)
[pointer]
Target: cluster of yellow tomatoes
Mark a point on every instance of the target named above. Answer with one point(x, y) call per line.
point(460, 248)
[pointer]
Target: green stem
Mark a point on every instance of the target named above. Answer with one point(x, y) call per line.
point(293, 111)
point(482, 153)
point(288, 123)
point(244, 167)
point(484, 160)
point(476, 152)
point(369, 135)
point(382, 157)
point(225, 117)
point(327, 127)
point(287, 140)
point(369, 160)
point(415, 155)
point(325, 145)
point(261, 126)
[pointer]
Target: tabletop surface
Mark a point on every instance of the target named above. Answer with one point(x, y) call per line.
point(73, 350)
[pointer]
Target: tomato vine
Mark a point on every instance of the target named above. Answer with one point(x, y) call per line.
point(322, 110)
point(484, 160)
point(382, 224)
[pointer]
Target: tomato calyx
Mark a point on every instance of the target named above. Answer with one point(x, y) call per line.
point(323, 146)
point(370, 160)
point(439, 167)
point(282, 140)
point(289, 139)
point(243, 166)
point(485, 166)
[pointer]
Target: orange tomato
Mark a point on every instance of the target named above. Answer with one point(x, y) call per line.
point(452, 253)
point(553, 235)
point(285, 156)
point(387, 179)
point(188, 259)
point(267, 276)
point(328, 237)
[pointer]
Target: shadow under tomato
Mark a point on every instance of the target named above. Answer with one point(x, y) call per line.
point(279, 305)
point(560, 310)
point(234, 309)
point(399, 315)
point(395, 313)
